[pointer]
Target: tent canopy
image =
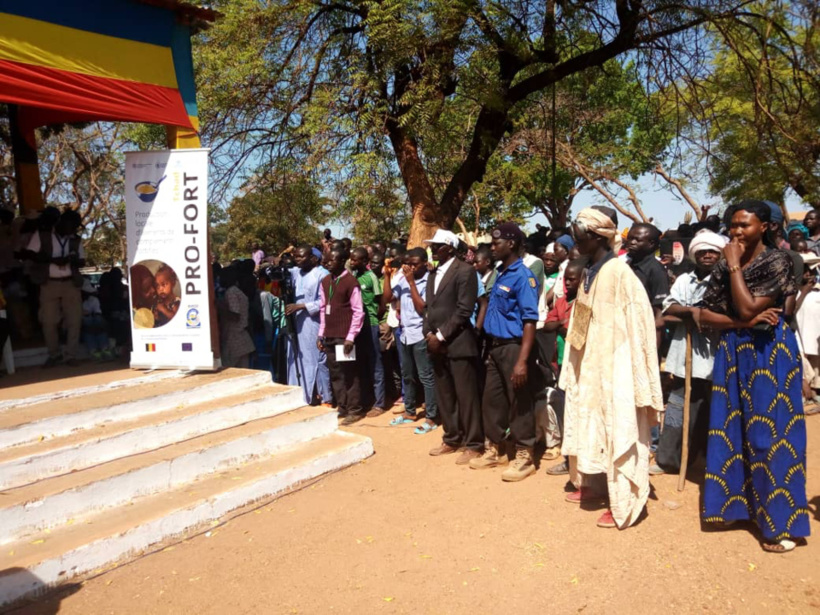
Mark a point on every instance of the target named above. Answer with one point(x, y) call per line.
point(116, 60)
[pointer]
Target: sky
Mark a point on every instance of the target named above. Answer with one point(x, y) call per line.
point(663, 206)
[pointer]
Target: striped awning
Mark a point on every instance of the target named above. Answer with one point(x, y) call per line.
point(118, 60)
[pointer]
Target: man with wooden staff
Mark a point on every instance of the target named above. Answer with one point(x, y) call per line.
point(705, 250)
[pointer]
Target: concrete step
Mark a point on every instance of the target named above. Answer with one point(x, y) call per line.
point(36, 564)
point(27, 463)
point(54, 384)
point(63, 415)
point(76, 496)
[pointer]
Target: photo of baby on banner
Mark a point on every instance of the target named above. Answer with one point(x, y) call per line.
point(155, 294)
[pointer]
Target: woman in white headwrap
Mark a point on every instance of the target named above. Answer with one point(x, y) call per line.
point(610, 376)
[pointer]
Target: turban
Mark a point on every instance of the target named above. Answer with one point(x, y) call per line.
point(599, 223)
point(566, 241)
point(706, 240)
point(550, 249)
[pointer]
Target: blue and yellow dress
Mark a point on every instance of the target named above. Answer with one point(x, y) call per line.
point(756, 454)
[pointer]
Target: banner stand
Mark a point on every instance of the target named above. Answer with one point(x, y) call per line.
point(173, 320)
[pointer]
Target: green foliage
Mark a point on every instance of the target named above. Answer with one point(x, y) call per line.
point(106, 247)
point(435, 88)
point(275, 215)
point(760, 108)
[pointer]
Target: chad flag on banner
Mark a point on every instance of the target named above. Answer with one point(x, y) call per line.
point(126, 60)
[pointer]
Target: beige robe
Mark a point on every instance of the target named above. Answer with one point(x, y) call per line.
point(613, 390)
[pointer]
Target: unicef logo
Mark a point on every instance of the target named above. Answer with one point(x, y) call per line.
point(192, 319)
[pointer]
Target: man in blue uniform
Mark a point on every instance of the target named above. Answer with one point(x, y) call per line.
point(512, 373)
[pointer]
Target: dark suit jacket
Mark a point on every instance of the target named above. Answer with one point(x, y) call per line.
point(449, 310)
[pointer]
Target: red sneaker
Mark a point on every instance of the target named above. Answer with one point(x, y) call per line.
point(584, 494)
point(607, 520)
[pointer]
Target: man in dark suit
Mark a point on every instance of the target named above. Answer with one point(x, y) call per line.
point(451, 342)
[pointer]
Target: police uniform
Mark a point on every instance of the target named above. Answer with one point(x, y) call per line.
point(513, 302)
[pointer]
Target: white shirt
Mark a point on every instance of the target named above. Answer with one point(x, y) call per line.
point(91, 306)
point(59, 248)
point(440, 271)
point(558, 287)
point(688, 291)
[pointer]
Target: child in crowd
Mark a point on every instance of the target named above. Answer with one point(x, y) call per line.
point(485, 267)
point(800, 245)
point(167, 304)
point(558, 316)
point(95, 336)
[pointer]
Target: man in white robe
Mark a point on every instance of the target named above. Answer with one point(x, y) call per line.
point(611, 378)
point(312, 363)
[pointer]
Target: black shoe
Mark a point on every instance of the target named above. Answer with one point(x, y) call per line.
point(52, 361)
point(352, 418)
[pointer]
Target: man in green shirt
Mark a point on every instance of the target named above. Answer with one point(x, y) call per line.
point(368, 349)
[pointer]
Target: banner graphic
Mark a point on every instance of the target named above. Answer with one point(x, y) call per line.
point(166, 210)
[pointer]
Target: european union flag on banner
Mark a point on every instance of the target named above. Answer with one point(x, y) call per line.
point(187, 347)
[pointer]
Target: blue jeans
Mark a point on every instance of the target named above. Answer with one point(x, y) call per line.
point(94, 336)
point(414, 358)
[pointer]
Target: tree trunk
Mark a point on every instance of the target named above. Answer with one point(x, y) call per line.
point(427, 216)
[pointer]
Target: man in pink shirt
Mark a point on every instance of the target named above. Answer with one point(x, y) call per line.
point(341, 315)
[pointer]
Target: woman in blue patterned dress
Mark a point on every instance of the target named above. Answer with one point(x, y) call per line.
point(756, 456)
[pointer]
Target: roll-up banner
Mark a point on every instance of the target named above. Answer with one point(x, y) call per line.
point(166, 210)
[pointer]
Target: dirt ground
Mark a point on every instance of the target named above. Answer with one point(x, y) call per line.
point(404, 532)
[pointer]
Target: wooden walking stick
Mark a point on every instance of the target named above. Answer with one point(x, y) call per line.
point(687, 399)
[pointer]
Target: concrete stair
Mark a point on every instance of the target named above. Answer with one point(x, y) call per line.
point(95, 478)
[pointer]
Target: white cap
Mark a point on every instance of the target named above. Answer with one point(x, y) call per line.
point(446, 237)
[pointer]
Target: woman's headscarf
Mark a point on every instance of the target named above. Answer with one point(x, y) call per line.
point(599, 223)
point(799, 226)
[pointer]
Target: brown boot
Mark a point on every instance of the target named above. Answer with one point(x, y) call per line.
point(522, 466)
point(442, 449)
point(493, 457)
point(467, 456)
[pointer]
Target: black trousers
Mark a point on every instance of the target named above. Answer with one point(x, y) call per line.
point(546, 343)
point(458, 400)
point(670, 445)
point(505, 407)
point(344, 380)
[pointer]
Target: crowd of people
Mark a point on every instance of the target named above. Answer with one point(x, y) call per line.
point(579, 346)
point(43, 291)
point(568, 345)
